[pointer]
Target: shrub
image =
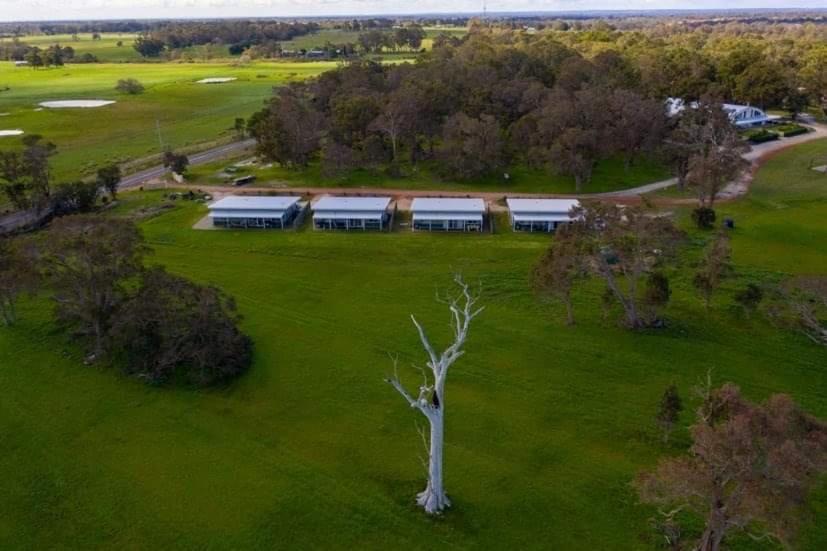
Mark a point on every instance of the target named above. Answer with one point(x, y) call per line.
point(761, 136)
point(656, 295)
point(76, 197)
point(177, 163)
point(174, 330)
point(749, 298)
point(794, 130)
point(704, 217)
point(129, 86)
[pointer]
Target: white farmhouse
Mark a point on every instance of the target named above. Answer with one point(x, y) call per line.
point(742, 116)
point(351, 213)
point(540, 215)
point(438, 214)
point(239, 211)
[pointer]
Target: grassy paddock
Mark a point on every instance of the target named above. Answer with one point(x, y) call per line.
point(546, 424)
point(187, 112)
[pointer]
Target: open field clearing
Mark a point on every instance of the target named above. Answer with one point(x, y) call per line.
point(546, 428)
point(186, 112)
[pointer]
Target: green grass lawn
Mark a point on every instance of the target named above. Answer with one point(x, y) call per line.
point(188, 113)
point(784, 217)
point(546, 424)
point(609, 175)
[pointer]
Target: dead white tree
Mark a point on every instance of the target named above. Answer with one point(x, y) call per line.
point(431, 399)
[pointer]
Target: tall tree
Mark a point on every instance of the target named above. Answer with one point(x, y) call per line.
point(704, 142)
point(472, 147)
point(669, 411)
point(109, 178)
point(430, 401)
point(17, 275)
point(714, 266)
point(622, 246)
point(26, 175)
point(148, 46)
point(749, 469)
point(36, 154)
point(638, 124)
point(572, 132)
point(396, 118)
point(559, 269)
point(289, 130)
point(801, 303)
point(88, 260)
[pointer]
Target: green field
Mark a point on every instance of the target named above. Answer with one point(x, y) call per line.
point(546, 424)
point(106, 49)
point(187, 113)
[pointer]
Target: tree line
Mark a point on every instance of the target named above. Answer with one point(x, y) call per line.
point(51, 56)
point(485, 104)
point(238, 34)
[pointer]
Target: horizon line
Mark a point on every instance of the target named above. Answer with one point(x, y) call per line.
point(453, 14)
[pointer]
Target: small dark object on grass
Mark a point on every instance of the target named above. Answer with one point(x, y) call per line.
point(729, 223)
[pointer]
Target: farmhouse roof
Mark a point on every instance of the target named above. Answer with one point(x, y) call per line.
point(449, 205)
point(351, 204)
point(254, 203)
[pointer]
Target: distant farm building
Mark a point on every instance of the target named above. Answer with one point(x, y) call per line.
point(539, 215)
point(238, 211)
point(437, 214)
point(351, 213)
point(21, 63)
point(742, 116)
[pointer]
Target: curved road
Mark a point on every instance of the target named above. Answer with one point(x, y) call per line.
point(19, 219)
point(139, 178)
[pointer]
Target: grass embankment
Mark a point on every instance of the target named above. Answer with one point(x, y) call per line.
point(609, 175)
point(546, 424)
point(187, 112)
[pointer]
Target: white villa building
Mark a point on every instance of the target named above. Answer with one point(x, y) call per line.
point(351, 213)
point(742, 116)
point(437, 214)
point(239, 211)
point(539, 215)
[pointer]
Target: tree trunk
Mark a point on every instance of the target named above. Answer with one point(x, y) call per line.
point(578, 183)
point(8, 311)
point(569, 312)
point(714, 531)
point(433, 498)
point(711, 539)
point(98, 329)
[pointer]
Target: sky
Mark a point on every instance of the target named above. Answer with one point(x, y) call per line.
point(28, 10)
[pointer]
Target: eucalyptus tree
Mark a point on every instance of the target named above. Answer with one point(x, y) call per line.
point(430, 401)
